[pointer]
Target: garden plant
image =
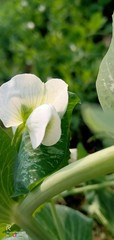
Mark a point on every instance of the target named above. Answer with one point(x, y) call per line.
point(37, 167)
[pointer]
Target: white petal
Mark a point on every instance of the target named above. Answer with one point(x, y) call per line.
point(56, 93)
point(9, 110)
point(53, 130)
point(43, 124)
point(23, 90)
point(30, 88)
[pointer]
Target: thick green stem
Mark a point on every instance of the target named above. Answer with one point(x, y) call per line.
point(90, 167)
point(30, 226)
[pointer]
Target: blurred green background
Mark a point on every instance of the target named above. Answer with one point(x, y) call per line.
point(64, 39)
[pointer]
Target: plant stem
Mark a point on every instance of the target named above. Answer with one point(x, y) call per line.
point(91, 187)
point(90, 167)
point(56, 220)
point(30, 226)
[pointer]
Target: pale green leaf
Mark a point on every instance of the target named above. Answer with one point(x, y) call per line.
point(105, 80)
point(74, 225)
point(98, 120)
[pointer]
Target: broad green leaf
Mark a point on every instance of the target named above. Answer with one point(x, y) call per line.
point(7, 158)
point(74, 225)
point(105, 80)
point(33, 165)
point(97, 120)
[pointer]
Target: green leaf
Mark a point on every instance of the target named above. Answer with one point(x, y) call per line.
point(74, 224)
point(106, 202)
point(34, 165)
point(7, 159)
point(105, 80)
point(81, 151)
point(102, 208)
point(97, 120)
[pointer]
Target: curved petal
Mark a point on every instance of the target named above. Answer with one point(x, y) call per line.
point(21, 94)
point(56, 93)
point(53, 130)
point(30, 88)
point(41, 125)
point(9, 109)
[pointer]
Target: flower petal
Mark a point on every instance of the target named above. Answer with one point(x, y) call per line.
point(30, 88)
point(9, 109)
point(24, 91)
point(44, 126)
point(56, 93)
point(53, 130)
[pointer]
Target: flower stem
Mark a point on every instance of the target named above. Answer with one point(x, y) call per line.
point(56, 220)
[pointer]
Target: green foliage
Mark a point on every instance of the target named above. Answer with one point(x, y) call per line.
point(55, 39)
point(102, 122)
point(34, 165)
point(72, 222)
point(100, 203)
point(59, 37)
point(105, 80)
point(81, 151)
point(106, 202)
point(7, 159)
point(98, 120)
point(95, 118)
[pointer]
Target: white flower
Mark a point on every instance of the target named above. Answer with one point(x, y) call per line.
point(42, 8)
point(30, 25)
point(26, 99)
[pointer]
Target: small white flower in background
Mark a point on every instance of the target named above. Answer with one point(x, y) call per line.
point(42, 8)
point(24, 3)
point(40, 106)
point(73, 47)
point(30, 25)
